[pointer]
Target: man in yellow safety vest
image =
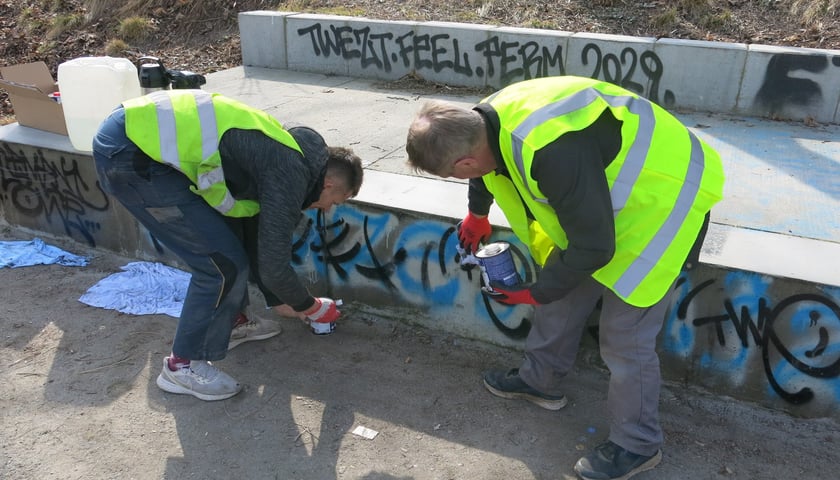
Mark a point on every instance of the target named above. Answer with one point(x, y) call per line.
point(612, 195)
point(193, 167)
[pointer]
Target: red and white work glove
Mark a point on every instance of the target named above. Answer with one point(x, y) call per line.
point(472, 231)
point(324, 311)
point(510, 295)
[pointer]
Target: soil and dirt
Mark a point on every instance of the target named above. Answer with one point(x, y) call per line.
point(78, 397)
point(203, 37)
point(79, 401)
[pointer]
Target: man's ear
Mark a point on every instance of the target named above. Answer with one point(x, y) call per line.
point(468, 162)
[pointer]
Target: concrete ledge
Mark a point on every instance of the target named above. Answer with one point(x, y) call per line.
point(755, 80)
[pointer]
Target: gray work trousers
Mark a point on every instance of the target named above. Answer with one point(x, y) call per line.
point(628, 346)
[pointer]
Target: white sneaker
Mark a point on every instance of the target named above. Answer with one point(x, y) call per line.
point(258, 327)
point(200, 379)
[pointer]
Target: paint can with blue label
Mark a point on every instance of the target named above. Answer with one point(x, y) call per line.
point(496, 261)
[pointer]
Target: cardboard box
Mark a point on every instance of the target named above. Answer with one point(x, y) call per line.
point(29, 86)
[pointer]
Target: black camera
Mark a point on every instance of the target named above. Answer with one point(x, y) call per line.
point(185, 79)
point(154, 76)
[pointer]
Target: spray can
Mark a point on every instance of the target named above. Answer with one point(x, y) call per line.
point(496, 262)
point(324, 328)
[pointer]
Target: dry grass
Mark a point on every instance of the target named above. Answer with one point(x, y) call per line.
point(135, 28)
point(63, 23)
point(814, 11)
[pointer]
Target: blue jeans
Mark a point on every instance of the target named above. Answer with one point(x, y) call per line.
point(160, 198)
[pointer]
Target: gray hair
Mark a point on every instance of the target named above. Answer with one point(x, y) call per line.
point(440, 134)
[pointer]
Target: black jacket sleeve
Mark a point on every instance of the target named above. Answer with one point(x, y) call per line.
point(282, 181)
point(570, 173)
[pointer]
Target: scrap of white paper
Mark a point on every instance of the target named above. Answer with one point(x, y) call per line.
point(365, 432)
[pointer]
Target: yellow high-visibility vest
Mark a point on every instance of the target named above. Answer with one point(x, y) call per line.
point(182, 129)
point(662, 182)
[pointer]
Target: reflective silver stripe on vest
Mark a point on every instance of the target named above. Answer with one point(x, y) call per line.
point(654, 250)
point(207, 179)
point(168, 135)
point(226, 204)
point(627, 176)
point(623, 184)
point(166, 129)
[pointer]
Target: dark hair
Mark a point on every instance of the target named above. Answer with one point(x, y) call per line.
point(345, 166)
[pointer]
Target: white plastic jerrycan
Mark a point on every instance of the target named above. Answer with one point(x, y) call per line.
point(91, 87)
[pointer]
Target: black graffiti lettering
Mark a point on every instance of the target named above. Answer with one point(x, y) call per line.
point(530, 54)
point(528, 60)
point(551, 60)
point(406, 48)
point(379, 51)
point(652, 67)
point(380, 271)
point(491, 50)
point(627, 81)
point(506, 60)
point(442, 249)
point(779, 88)
point(422, 43)
point(50, 188)
point(367, 53)
point(374, 49)
point(621, 70)
point(612, 69)
point(438, 52)
point(424, 270)
point(338, 43)
point(344, 37)
point(322, 44)
point(459, 67)
point(584, 58)
point(797, 302)
point(327, 245)
point(518, 332)
point(764, 333)
point(509, 60)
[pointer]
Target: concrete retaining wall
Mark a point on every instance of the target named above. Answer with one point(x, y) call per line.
point(752, 80)
point(746, 335)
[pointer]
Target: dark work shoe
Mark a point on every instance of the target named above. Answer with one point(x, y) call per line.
point(610, 462)
point(510, 385)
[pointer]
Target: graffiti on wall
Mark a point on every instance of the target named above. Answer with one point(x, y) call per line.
point(783, 83)
point(792, 338)
point(790, 79)
point(494, 58)
point(52, 189)
point(415, 262)
point(794, 335)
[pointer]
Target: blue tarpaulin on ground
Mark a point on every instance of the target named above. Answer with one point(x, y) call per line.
point(142, 288)
point(25, 253)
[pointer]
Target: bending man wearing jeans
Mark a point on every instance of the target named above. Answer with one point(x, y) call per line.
point(191, 167)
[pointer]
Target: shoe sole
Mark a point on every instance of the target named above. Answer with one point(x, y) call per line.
point(541, 402)
point(649, 465)
point(239, 341)
point(171, 387)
